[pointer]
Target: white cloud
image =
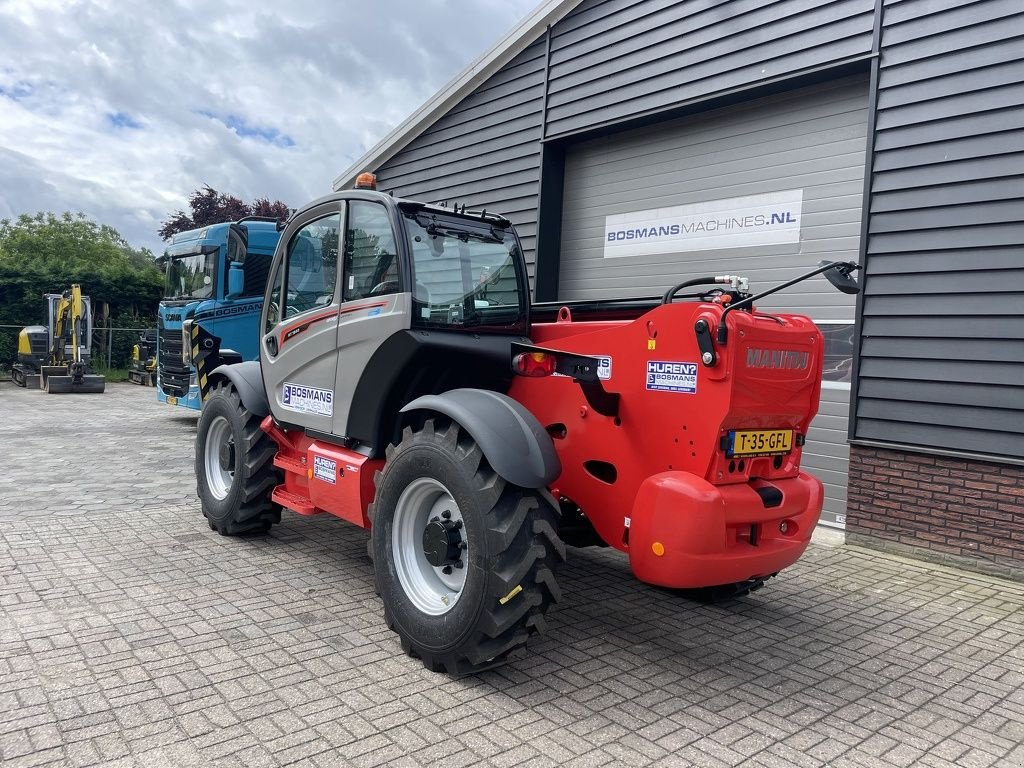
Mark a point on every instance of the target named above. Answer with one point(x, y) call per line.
point(120, 110)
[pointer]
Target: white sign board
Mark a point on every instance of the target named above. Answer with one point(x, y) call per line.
point(737, 222)
point(296, 397)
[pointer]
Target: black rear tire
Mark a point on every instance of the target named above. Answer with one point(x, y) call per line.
point(236, 500)
point(512, 551)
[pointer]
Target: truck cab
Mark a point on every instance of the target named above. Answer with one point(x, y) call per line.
point(214, 278)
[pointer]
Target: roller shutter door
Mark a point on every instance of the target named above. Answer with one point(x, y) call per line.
point(808, 142)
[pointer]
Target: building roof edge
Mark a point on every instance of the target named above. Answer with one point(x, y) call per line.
point(508, 47)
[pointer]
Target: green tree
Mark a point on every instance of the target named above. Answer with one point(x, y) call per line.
point(68, 242)
point(46, 253)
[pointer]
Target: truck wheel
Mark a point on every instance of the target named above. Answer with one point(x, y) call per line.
point(464, 562)
point(235, 472)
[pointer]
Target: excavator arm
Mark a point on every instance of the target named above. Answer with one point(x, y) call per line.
point(65, 373)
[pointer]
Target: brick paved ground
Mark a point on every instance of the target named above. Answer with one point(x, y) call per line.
point(130, 634)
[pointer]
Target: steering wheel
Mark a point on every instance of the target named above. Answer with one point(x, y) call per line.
point(380, 289)
point(274, 312)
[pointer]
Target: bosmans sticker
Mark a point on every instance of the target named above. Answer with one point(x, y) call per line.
point(325, 469)
point(672, 376)
point(296, 397)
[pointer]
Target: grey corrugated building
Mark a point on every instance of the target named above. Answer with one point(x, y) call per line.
point(892, 131)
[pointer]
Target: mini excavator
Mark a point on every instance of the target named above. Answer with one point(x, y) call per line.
point(142, 369)
point(62, 367)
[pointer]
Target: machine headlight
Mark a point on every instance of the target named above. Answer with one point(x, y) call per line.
point(186, 342)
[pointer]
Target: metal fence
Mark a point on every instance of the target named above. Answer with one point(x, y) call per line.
point(110, 347)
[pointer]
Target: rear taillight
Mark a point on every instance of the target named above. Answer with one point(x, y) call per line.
point(534, 364)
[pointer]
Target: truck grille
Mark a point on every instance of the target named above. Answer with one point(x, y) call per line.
point(174, 375)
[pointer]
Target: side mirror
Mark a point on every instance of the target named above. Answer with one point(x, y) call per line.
point(840, 275)
point(236, 280)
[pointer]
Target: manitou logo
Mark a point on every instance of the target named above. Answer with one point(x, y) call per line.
point(776, 358)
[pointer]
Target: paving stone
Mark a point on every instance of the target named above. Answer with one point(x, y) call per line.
point(132, 635)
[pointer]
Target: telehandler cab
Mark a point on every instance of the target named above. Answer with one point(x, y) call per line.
point(405, 384)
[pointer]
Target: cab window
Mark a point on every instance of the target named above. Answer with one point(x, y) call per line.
point(236, 253)
point(465, 273)
point(371, 253)
point(274, 306)
point(309, 272)
point(255, 266)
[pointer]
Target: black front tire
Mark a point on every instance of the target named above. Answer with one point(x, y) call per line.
point(513, 550)
point(236, 500)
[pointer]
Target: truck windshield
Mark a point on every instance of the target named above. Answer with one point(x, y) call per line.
point(190, 277)
point(466, 273)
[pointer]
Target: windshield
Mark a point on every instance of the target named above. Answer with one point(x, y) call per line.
point(465, 273)
point(190, 277)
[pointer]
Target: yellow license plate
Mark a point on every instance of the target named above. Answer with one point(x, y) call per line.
point(759, 442)
point(172, 400)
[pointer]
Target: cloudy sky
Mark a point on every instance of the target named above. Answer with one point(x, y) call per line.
point(121, 109)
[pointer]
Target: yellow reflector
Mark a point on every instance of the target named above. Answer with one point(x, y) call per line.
point(658, 548)
point(515, 591)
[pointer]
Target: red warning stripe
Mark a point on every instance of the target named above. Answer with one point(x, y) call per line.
point(290, 332)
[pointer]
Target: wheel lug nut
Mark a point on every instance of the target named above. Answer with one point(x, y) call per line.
point(463, 545)
point(446, 570)
point(458, 525)
point(446, 514)
point(435, 519)
point(459, 564)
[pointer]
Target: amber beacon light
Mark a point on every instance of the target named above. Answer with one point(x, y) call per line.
point(366, 180)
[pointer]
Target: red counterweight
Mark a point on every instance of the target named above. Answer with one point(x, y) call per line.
point(696, 473)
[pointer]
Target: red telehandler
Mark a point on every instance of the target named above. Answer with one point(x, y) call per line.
point(407, 385)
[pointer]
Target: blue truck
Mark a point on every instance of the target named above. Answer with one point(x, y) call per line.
point(214, 281)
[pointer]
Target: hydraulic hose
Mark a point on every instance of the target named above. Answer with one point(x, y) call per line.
point(709, 280)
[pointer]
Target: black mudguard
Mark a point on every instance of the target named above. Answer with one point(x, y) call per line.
point(516, 445)
point(248, 381)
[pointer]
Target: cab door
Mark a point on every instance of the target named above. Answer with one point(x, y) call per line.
point(299, 354)
point(376, 302)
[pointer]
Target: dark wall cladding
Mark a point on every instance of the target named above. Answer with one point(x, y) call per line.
point(612, 60)
point(618, 59)
point(942, 351)
point(485, 152)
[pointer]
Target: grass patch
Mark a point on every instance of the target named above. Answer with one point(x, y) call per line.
point(113, 374)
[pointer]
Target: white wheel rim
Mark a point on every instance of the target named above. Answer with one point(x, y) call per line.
point(218, 480)
point(428, 587)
